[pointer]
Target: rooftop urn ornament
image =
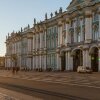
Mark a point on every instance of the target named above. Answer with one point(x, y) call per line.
point(21, 29)
point(8, 34)
point(56, 13)
point(46, 17)
point(13, 31)
point(18, 31)
point(6, 37)
point(51, 15)
point(40, 21)
point(34, 21)
point(28, 26)
point(60, 10)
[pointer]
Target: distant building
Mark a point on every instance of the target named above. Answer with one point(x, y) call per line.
point(2, 62)
point(63, 42)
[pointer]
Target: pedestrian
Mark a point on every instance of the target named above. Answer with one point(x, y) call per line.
point(13, 71)
point(17, 69)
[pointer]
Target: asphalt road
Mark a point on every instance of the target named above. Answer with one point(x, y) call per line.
point(50, 91)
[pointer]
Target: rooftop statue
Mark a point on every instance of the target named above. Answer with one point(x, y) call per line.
point(60, 10)
point(46, 17)
point(34, 21)
point(51, 15)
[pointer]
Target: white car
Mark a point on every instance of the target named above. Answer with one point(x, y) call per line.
point(82, 69)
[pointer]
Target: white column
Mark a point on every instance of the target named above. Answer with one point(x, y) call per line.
point(84, 58)
point(61, 38)
point(66, 60)
point(67, 33)
point(30, 63)
point(29, 45)
point(75, 34)
point(88, 59)
point(58, 36)
point(36, 61)
point(99, 22)
point(88, 27)
point(33, 62)
point(40, 61)
point(41, 40)
point(20, 61)
point(45, 38)
point(58, 62)
point(81, 28)
point(99, 59)
point(45, 62)
point(42, 44)
point(36, 41)
point(70, 61)
point(33, 41)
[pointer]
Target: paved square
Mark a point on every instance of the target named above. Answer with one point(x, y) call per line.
point(70, 78)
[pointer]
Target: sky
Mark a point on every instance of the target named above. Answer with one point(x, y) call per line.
point(15, 14)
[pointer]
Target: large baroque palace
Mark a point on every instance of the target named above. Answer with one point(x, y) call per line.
point(62, 42)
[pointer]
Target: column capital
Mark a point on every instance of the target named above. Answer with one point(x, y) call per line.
point(81, 17)
point(88, 13)
point(58, 50)
point(60, 23)
point(67, 20)
point(98, 10)
point(85, 47)
point(40, 29)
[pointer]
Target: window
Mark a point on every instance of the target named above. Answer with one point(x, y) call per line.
point(64, 26)
point(95, 17)
point(78, 21)
point(72, 23)
point(95, 34)
point(72, 37)
point(95, 26)
point(78, 37)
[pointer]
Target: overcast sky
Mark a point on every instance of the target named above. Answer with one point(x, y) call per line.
point(19, 13)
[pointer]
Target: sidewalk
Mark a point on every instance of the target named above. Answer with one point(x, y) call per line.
point(6, 94)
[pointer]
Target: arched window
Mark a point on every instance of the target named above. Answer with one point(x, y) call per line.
point(95, 17)
point(95, 26)
point(95, 34)
point(71, 32)
point(72, 37)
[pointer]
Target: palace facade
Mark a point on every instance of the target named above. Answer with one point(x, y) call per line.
point(63, 42)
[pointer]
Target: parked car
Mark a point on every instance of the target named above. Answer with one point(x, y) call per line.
point(82, 69)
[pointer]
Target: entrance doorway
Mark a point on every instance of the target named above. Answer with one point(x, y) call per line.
point(63, 61)
point(77, 59)
point(94, 59)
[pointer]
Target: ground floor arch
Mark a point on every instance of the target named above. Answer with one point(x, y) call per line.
point(77, 59)
point(94, 53)
point(63, 61)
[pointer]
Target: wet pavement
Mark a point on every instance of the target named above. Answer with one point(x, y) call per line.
point(6, 94)
point(72, 78)
point(6, 97)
